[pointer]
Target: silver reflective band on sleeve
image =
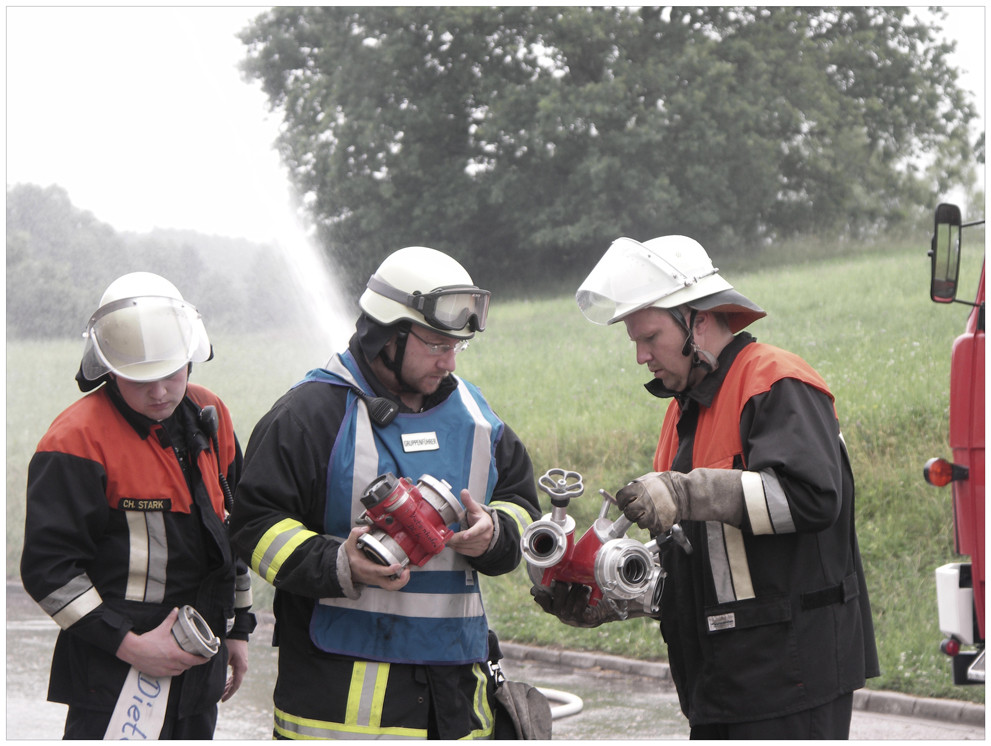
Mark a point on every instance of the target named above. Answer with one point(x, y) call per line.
point(72, 601)
point(242, 591)
point(753, 499)
point(766, 503)
point(778, 508)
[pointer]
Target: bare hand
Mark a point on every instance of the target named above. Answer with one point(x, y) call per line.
point(237, 659)
point(156, 652)
point(369, 572)
point(474, 540)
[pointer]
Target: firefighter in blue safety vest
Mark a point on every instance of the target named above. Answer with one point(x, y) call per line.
point(370, 647)
point(125, 540)
point(766, 619)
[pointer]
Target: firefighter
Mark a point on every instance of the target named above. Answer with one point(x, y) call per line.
point(125, 526)
point(767, 620)
point(369, 650)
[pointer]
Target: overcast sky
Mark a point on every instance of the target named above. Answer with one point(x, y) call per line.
point(141, 115)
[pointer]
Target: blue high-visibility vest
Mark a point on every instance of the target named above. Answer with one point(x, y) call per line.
point(437, 617)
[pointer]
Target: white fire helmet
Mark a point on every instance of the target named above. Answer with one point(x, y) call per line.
point(429, 288)
point(143, 331)
point(664, 272)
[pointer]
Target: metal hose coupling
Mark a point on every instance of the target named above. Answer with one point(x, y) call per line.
point(623, 571)
point(545, 542)
point(193, 633)
point(410, 523)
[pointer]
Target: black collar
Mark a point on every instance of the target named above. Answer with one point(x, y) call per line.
point(705, 390)
point(180, 429)
point(447, 386)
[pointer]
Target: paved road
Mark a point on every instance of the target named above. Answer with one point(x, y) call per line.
point(633, 699)
point(620, 698)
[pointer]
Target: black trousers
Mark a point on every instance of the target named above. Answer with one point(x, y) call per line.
point(91, 725)
point(830, 721)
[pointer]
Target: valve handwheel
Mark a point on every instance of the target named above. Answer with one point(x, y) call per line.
point(561, 483)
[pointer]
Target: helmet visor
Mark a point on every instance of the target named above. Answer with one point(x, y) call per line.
point(628, 277)
point(144, 339)
point(449, 308)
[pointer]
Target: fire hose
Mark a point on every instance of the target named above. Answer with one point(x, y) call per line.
point(139, 712)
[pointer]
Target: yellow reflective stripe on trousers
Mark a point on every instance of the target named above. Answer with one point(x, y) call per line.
point(363, 716)
point(483, 710)
point(279, 542)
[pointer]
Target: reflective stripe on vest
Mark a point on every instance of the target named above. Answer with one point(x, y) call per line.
point(717, 445)
point(438, 616)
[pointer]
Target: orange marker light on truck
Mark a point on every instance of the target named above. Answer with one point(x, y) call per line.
point(939, 472)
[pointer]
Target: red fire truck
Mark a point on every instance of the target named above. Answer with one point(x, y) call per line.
point(960, 585)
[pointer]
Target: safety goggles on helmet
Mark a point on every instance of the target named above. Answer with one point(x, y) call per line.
point(144, 339)
point(450, 308)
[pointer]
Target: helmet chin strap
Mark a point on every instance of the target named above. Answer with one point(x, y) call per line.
point(396, 364)
point(700, 358)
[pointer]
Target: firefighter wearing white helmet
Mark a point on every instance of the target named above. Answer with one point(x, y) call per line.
point(390, 402)
point(423, 287)
point(669, 272)
point(765, 613)
point(143, 330)
point(427, 287)
point(128, 495)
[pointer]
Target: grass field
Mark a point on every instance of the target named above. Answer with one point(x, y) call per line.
point(574, 394)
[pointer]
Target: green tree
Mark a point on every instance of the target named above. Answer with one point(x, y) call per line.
point(59, 260)
point(523, 140)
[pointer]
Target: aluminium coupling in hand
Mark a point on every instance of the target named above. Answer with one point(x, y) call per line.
point(193, 633)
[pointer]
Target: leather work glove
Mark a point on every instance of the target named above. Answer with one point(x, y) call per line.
point(658, 500)
point(569, 603)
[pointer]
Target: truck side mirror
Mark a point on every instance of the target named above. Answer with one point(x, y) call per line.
point(945, 254)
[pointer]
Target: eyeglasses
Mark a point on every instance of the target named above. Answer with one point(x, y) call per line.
point(436, 349)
